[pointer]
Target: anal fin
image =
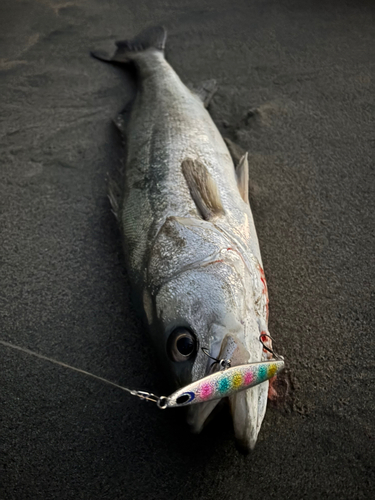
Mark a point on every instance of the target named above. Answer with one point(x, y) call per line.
point(205, 91)
point(203, 188)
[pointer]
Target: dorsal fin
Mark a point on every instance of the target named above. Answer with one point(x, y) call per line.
point(203, 188)
point(122, 119)
point(242, 174)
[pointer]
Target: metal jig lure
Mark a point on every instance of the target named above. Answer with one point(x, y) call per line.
point(223, 383)
point(215, 386)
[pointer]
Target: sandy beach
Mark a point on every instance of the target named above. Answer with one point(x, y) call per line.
point(296, 90)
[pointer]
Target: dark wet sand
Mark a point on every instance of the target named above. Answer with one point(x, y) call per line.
point(306, 71)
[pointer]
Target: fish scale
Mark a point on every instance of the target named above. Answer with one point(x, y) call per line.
point(190, 242)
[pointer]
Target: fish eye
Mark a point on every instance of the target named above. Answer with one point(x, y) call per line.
point(182, 344)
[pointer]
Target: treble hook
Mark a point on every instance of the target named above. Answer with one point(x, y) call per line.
point(224, 363)
point(263, 334)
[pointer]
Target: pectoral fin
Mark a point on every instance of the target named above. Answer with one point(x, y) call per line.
point(203, 188)
point(242, 174)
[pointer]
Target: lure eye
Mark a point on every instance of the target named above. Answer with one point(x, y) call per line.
point(182, 345)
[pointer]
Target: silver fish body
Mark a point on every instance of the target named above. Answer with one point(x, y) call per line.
point(190, 242)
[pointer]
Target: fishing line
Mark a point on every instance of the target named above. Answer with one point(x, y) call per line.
point(220, 384)
point(141, 394)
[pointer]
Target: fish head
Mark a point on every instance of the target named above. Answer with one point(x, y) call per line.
point(202, 294)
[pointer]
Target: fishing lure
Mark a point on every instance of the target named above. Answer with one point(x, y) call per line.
point(223, 383)
point(215, 386)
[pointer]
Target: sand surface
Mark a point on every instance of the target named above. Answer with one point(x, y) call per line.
point(296, 89)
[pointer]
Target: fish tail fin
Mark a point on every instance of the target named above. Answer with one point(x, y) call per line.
point(151, 38)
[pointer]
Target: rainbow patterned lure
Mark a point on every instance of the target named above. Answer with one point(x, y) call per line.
point(222, 384)
point(215, 386)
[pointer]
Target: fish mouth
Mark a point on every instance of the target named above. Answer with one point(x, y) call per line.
point(247, 407)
